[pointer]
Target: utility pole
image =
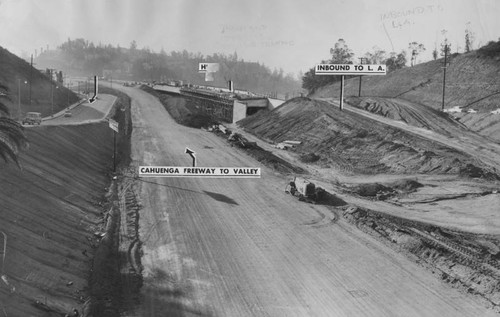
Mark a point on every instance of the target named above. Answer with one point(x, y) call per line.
point(31, 75)
point(361, 62)
point(341, 92)
point(444, 73)
point(52, 96)
point(19, 98)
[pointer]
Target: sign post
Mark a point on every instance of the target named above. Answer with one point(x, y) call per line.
point(114, 126)
point(342, 92)
point(96, 87)
point(349, 70)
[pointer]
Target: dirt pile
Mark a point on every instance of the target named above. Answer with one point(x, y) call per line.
point(50, 212)
point(352, 143)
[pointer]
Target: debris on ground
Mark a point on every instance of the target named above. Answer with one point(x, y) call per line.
point(241, 141)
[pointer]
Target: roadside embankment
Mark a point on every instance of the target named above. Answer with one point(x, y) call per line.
point(352, 144)
point(49, 212)
point(54, 215)
point(107, 280)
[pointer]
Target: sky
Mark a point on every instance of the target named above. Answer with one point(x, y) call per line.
point(290, 34)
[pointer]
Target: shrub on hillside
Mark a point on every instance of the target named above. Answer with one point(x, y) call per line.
point(492, 49)
point(309, 158)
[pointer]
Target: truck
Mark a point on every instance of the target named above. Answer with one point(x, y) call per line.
point(33, 118)
point(305, 190)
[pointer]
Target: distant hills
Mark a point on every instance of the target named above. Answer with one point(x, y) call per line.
point(83, 58)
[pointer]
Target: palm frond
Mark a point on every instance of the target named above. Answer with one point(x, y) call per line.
point(12, 139)
point(7, 151)
point(4, 109)
point(14, 131)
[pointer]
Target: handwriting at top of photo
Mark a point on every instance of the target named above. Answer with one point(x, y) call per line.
point(420, 10)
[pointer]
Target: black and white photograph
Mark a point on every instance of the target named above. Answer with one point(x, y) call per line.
point(234, 158)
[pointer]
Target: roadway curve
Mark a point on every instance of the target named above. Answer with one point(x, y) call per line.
point(242, 247)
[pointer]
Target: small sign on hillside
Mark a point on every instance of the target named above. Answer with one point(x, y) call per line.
point(113, 125)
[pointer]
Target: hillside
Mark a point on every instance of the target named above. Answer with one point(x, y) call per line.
point(49, 212)
point(351, 143)
point(472, 82)
point(15, 73)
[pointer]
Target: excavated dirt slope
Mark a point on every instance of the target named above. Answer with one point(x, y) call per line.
point(354, 144)
point(472, 82)
point(49, 212)
point(410, 113)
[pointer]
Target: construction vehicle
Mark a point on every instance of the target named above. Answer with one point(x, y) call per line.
point(305, 190)
point(33, 118)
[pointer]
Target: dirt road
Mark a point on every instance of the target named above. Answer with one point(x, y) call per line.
point(242, 247)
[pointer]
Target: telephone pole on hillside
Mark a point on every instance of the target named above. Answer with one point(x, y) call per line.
point(444, 73)
point(361, 62)
point(31, 76)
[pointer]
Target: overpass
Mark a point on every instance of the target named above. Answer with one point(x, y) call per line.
point(221, 103)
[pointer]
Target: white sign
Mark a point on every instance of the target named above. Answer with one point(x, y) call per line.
point(113, 125)
point(349, 69)
point(205, 172)
point(208, 67)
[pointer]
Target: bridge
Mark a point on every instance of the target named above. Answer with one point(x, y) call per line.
point(222, 104)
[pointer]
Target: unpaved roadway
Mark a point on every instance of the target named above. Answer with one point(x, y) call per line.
point(242, 247)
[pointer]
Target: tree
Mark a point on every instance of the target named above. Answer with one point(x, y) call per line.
point(415, 49)
point(60, 77)
point(133, 45)
point(341, 53)
point(445, 48)
point(378, 56)
point(396, 61)
point(435, 52)
point(469, 38)
point(445, 45)
point(12, 137)
point(311, 81)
